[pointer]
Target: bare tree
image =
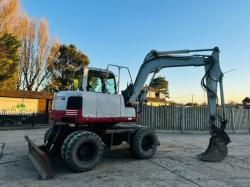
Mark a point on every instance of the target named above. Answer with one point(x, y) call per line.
point(9, 16)
point(36, 54)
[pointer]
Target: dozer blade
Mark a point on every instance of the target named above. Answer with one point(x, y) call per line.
point(216, 151)
point(39, 159)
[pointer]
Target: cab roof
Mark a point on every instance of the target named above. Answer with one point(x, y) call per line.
point(100, 69)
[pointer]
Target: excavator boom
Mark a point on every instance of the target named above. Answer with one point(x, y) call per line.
point(155, 61)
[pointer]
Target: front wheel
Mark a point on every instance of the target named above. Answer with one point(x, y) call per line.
point(144, 144)
point(47, 134)
point(83, 151)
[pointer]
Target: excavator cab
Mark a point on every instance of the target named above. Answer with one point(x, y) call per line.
point(95, 80)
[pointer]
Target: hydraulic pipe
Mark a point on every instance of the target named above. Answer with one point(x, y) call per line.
point(183, 51)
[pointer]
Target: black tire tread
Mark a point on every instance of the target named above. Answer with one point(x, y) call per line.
point(69, 146)
point(47, 134)
point(135, 148)
point(66, 141)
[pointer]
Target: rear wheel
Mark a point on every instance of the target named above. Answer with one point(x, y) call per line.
point(144, 144)
point(83, 151)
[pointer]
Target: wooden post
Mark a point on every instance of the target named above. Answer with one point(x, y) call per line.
point(182, 119)
point(249, 120)
point(46, 115)
point(32, 120)
point(233, 120)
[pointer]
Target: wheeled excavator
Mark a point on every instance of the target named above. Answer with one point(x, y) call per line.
point(94, 115)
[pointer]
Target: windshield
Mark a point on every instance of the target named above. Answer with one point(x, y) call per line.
point(78, 78)
point(101, 82)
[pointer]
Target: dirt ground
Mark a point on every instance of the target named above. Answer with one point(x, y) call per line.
point(174, 164)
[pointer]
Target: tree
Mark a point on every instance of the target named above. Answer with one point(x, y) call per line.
point(9, 23)
point(160, 83)
point(172, 103)
point(192, 104)
point(204, 104)
point(68, 60)
point(9, 59)
point(9, 17)
point(37, 53)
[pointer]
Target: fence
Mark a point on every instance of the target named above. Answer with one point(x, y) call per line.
point(24, 118)
point(186, 119)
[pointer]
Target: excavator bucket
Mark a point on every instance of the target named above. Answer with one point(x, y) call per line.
point(39, 159)
point(217, 147)
point(216, 151)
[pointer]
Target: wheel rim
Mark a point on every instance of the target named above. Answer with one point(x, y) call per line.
point(87, 151)
point(147, 143)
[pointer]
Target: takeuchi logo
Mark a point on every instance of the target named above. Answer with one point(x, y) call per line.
point(20, 106)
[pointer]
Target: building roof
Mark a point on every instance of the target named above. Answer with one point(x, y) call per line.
point(247, 99)
point(26, 94)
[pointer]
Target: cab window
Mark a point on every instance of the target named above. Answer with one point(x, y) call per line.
point(77, 80)
point(101, 82)
point(110, 85)
point(94, 84)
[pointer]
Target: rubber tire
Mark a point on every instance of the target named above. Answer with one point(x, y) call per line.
point(47, 134)
point(66, 141)
point(74, 143)
point(137, 149)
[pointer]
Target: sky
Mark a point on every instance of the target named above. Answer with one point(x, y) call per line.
point(122, 32)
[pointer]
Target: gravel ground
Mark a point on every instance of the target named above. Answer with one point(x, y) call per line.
point(174, 164)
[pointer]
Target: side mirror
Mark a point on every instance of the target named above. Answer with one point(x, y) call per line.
point(75, 84)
